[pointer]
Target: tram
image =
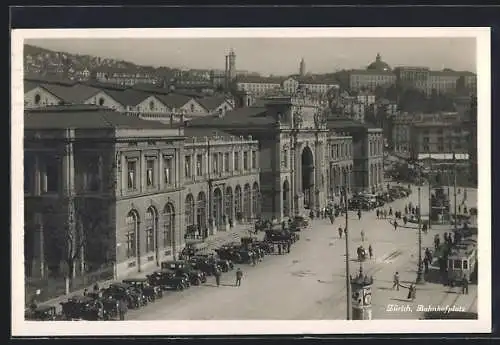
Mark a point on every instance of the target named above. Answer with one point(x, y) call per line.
point(462, 260)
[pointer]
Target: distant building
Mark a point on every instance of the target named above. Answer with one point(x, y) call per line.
point(302, 68)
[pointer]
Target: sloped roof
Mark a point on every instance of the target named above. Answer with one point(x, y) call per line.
point(127, 97)
point(71, 94)
point(241, 117)
point(257, 79)
point(205, 132)
point(84, 117)
point(173, 100)
point(211, 103)
point(30, 85)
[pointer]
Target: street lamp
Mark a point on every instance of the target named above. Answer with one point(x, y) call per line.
point(347, 270)
point(420, 279)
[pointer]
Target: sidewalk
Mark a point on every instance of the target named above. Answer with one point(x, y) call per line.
point(213, 242)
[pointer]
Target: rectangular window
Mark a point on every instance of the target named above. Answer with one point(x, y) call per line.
point(284, 159)
point(51, 176)
point(337, 151)
point(215, 163)
point(465, 265)
point(131, 244)
point(254, 159)
point(132, 175)
point(226, 161)
point(236, 161)
point(457, 264)
point(28, 173)
point(150, 173)
point(187, 166)
point(245, 160)
point(167, 170)
point(199, 165)
point(92, 178)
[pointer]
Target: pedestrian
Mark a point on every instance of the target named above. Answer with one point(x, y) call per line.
point(332, 218)
point(288, 245)
point(385, 213)
point(395, 225)
point(370, 251)
point(239, 275)
point(424, 228)
point(122, 308)
point(85, 292)
point(340, 232)
point(412, 292)
point(405, 220)
point(465, 285)
point(254, 259)
point(426, 264)
point(217, 275)
point(406, 209)
point(96, 287)
point(345, 231)
point(459, 208)
point(362, 235)
point(436, 242)
point(390, 211)
point(311, 214)
point(359, 214)
point(378, 213)
point(279, 248)
point(396, 281)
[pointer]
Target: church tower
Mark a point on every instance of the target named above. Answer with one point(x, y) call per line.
point(302, 69)
point(230, 67)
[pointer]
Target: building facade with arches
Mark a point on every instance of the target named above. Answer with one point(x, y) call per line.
point(106, 183)
point(221, 179)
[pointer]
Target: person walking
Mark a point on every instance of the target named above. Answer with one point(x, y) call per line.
point(340, 232)
point(279, 248)
point(362, 235)
point(426, 264)
point(122, 309)
point(412, 292)
point(378, 213)
point(465, 285)
point(359, 214)
point(217, 275)
point(390, 211)
point(396, 281)
point(239, 275)
point(395, 225)
point(405, 220)
point(254, 258)
point(370, 251)
point(406, 209)
point(385, 213)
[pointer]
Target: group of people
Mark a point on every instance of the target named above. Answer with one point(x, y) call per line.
point(412, 290)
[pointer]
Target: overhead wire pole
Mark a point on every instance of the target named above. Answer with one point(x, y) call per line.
point(454, 188)
point(347, 269)
point(419, 279)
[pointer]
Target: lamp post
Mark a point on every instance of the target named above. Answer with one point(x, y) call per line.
point(420, 279)
point(347, 269)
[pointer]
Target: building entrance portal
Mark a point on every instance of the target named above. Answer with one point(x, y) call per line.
point(308, 177)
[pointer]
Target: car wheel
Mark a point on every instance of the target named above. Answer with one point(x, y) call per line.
point(196, 281)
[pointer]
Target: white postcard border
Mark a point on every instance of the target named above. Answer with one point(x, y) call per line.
point(20, 327)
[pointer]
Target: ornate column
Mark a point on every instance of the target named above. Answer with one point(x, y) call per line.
point(68, 169)
point(38, 269)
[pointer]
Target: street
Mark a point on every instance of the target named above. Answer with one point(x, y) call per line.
point(309, 283)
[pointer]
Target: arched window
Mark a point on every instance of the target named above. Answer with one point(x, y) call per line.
point(189, 206)
point(151, 221)
point(168, 225)
point(217, 211)
point(237, 202)
point(132, 222)
point(255, 199)
point(38, 98)
point(228, 210)
point(247, 202)
point(201, 210)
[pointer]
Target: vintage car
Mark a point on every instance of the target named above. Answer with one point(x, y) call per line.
point(184, 268)
point(203, 264)
point(151, 292)
point(80, 308)
point(121, 291)
point(109, 305)
point(300, 221)
point(223, 264)
point(168, 279)
point(42, 313)
point(280, 236)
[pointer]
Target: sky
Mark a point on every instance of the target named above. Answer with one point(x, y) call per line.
point(277, 56)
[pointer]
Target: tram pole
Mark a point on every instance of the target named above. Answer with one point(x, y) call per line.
point(454, 191)
point(419, 279)
point(430, 189)
point(347, 269)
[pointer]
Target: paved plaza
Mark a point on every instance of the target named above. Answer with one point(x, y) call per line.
point(309, 283)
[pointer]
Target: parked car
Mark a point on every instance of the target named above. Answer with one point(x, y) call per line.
point(109, 305)
point(151, 292)
point(183, 268)
point(80, 308)
point(134, 297)
point(42, 313)
point(225, 265)
point(168, 279)
point(300, 221)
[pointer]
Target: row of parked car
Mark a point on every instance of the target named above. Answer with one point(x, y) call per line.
point(367, 202)
point(104, 304)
